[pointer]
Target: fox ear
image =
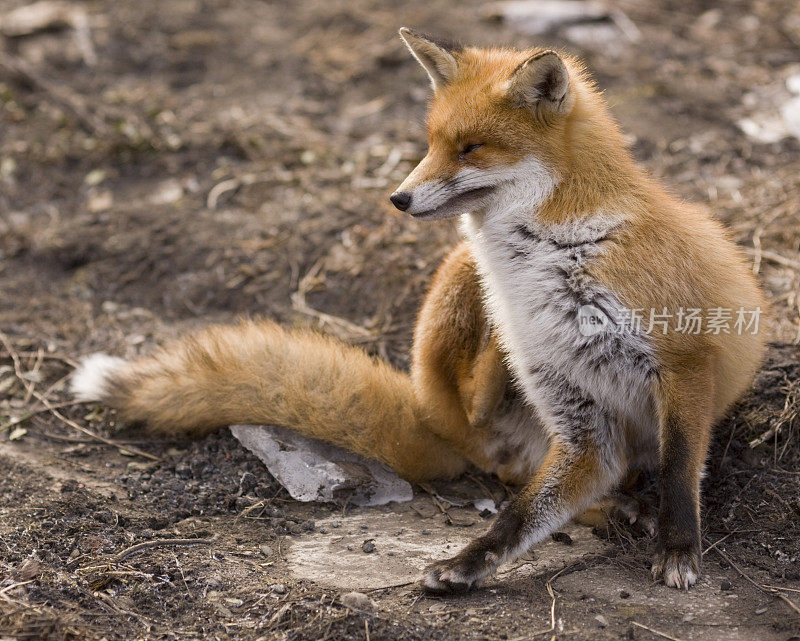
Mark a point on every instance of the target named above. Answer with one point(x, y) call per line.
point(435, 56)
point(542, 81)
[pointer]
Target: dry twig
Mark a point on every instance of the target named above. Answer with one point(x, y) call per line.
point(61, 95)
point(341, 326)
point(38, 410)
point(763, 588)
point(157, 543)
point(131, 451)
point(123, 449)
point(774, 257)
point(654, 631)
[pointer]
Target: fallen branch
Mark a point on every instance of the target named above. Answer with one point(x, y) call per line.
point(4, 592)
point(33, 374)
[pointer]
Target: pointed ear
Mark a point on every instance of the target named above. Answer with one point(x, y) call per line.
point(542, 82)
point(435, 56)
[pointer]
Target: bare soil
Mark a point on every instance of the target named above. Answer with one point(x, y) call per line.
point(234, 157)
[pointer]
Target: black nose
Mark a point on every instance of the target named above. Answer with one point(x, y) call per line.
point(401, 200)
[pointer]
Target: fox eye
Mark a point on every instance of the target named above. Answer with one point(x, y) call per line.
point(468, 148)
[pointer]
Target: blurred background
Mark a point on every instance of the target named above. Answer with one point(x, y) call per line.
point(165, 164)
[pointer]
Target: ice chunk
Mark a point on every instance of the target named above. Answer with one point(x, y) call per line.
point(312, 470)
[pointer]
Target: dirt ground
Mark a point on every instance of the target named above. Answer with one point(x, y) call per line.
point(203, 159)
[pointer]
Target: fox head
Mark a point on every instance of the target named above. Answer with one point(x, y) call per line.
point(499, 127)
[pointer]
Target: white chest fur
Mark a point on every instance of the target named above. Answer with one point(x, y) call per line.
point(536, 281)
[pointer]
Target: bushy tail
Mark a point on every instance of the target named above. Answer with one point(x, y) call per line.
point(260, 373)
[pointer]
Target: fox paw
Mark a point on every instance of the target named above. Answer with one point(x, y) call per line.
point(634, 510)
point(463, 572)
point(621, 508)
point(677, 568)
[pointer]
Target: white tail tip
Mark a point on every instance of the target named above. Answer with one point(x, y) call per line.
point(90, 379)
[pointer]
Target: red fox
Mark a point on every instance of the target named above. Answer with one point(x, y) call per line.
point(527, 360)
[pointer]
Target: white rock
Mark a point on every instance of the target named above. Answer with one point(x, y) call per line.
point(312, 470)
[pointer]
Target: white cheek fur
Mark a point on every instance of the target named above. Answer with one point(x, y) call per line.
point(430, 195)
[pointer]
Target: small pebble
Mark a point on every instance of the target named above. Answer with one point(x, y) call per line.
point(294, 528)
point(368, 546)
point(725, 585)
point(390, 553)
point(562, 537)
point(266, 550)
point(350, 547)
point(601, 620)
point(624, 594)
point(335, 524)
point(426, 532)
point(364, 527)
point(323, 530)
point(279, 588)
point(357, 601)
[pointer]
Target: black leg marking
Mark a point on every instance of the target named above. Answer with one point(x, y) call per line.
point(678, 559)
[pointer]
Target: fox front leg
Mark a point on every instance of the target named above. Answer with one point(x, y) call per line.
point(567, 483)
point(583, 463)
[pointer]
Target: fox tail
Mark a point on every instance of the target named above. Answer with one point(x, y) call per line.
point(259, 373)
